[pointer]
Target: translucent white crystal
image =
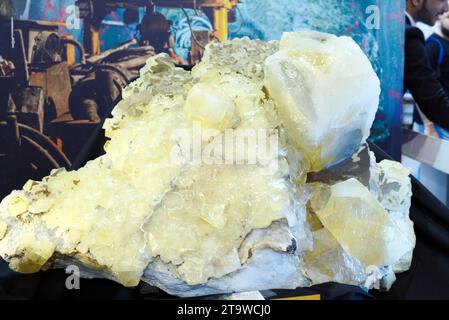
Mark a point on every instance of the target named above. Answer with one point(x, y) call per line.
point(394, 191)
point(210, 106)
point(327, 94)
point(328, 262)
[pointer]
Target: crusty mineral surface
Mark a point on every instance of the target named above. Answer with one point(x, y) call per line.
point(247, 173)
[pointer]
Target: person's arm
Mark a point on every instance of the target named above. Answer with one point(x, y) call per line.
point(422, 81)
point(433, 53)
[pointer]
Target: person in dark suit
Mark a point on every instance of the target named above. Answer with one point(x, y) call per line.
point(437, 47)
point(419, 77)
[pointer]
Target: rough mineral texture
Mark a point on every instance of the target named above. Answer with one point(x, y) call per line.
point(175, 204)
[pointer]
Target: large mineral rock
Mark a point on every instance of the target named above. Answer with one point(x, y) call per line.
point(203, 188)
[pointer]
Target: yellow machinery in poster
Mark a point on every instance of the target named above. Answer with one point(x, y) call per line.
point(217, 10)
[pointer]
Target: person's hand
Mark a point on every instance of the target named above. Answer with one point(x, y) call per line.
point(429, 130)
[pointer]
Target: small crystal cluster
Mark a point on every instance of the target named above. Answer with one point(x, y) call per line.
point(317, 209)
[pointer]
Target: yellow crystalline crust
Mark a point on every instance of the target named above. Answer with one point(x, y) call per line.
point(122, 210)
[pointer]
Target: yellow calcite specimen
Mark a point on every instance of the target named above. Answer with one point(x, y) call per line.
point(362, 226)
point(174, 203)
point(120, 211)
